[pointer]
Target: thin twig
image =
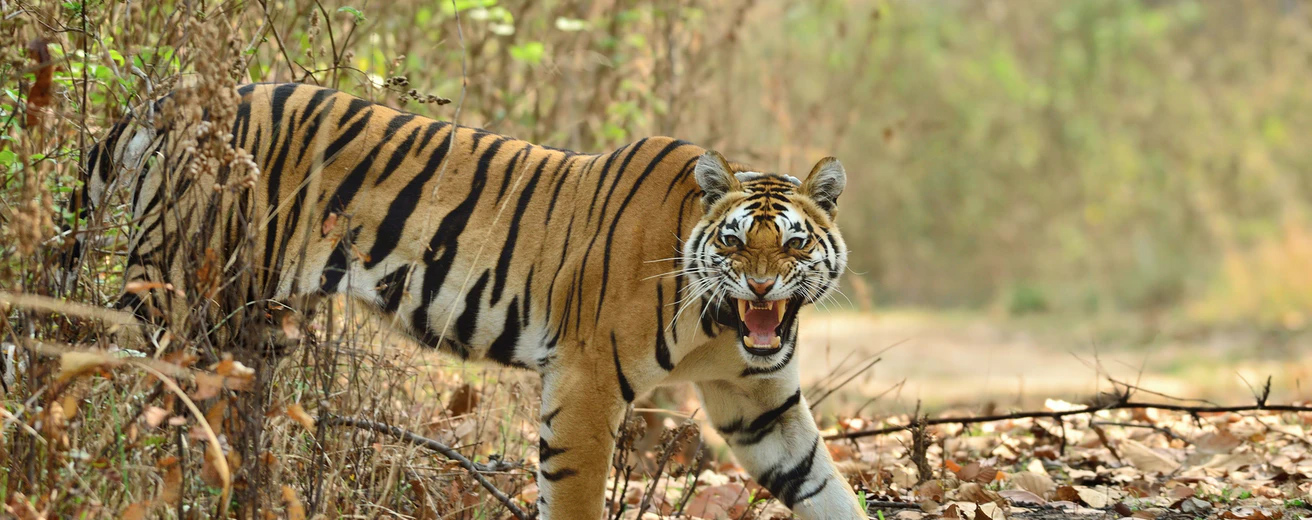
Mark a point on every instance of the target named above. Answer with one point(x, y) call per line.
point(1127, 405)
point(888, 504)
point(1160, 429)
point(475, 470)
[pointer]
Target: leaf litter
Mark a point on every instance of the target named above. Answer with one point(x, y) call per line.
point(1107, 464)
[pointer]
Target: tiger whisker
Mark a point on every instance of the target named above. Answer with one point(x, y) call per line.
point(689, 302)
point(706, 307)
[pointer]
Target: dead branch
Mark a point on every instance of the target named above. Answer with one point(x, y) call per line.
point(475, 470)
point(1122, 405)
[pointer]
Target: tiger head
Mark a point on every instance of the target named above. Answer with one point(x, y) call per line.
point(766, 246)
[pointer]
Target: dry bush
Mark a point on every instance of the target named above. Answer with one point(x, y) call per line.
point(192, 420)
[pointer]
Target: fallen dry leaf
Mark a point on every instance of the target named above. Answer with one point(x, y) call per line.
point(291, 326)
point(78, 362)
point(1092, 497)
point(1038, 484)
point(979, 494)
point(172, 491)
point(728, 500)
point(154, 416)
point(1066, 494)
point(1221, 441)
point(135, 511)
point(298, 414)
point(1022, 497)
point(989, 511)
point(295, 510)
point(1146, 459)
point(929, 490)
point(462, 401)
point(1232, 461)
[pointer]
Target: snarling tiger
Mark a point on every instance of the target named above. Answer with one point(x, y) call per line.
point(489, 247)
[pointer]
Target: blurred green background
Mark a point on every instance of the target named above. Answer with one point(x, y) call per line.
point(1076, 157)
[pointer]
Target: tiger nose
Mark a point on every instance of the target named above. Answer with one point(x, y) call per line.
point(760, 287)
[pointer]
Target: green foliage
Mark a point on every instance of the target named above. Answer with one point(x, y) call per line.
point(1026, 299)
point(528, 52)
point(356, 15)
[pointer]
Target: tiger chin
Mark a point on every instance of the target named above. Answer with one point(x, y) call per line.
point(488, 247)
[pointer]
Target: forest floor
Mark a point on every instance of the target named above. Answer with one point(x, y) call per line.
point(1142, 463)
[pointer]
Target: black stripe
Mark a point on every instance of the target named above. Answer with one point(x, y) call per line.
point(273, 192)
point(587, 252)
point(308, 136)
point(242, 124)
point(467, 323)
point(662, 349)
point(346, 190)
point(762, 425)
point(813, 492)
point(510, 170)
point(691, 196)
point(407, 199)
point(512, 234)
point(624, 167)
point(560, 183)
point(787, 484)
point(553, 476)
point(338, 262)
point(528, 295)
point(349, 186)
point(683, 174)
point(444, 245)
point(605, 169)
point(546, 452)
point(546, 419)
point(430, 130)
point(402, 149)
point(619, 212)
point(551, 287)
point(349, 134)
point(391, 287)
point(625, 389)
point(503, 348)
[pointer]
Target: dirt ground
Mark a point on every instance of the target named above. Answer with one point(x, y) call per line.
point(950, 359)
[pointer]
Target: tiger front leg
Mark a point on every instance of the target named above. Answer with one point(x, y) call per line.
point(580, 417)
point(769, 426)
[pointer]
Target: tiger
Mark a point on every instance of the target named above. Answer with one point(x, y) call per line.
point(488, 247)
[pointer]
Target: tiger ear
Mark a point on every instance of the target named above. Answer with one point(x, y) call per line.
point(715, 177)
point(826, 183)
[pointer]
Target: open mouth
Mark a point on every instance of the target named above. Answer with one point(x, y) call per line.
point(761, 323)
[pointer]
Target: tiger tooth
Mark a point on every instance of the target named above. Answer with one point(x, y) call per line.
point(779, 309)
point(774, 343)
point(747, 340)
point(742, 309)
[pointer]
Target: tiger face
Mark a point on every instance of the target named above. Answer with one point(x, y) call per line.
point(766, 246)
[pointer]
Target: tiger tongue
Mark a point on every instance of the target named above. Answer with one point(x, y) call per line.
point(761, 324)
